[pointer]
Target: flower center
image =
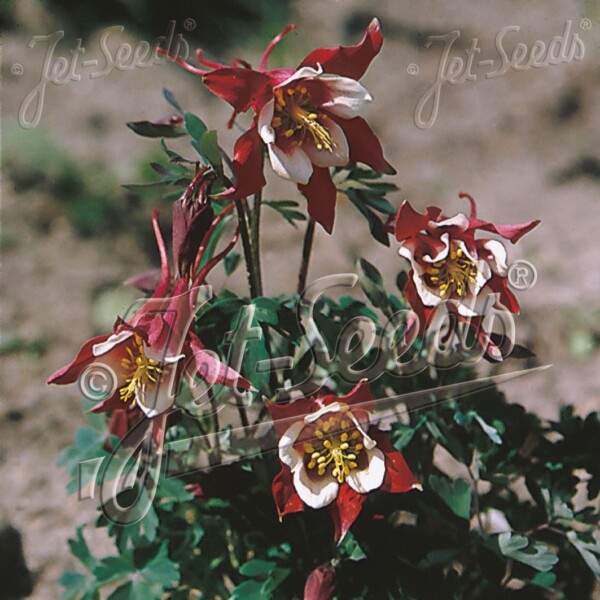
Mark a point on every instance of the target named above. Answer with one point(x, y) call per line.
point(294, 114)
point(139, 372)
point(340, 448)
point(452, 274)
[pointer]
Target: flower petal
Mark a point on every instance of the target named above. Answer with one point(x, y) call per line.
point(339, 154)
point(316, 493)
point(265, 117)
point(238, 86)
point(295, 165)
point(321, 195)
point(496, 256)
point(345, 510)
point(69, 373)
point(320, 583)
point(371, 477)
point(285, 495)
point(247, 166)
point(288, 455)
point(349, 61)
point(348, 96)
point(364, 145)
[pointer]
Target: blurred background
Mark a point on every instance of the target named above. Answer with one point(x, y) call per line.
point(525, 145)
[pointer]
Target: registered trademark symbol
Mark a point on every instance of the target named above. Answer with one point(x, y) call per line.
point(17, 69)
point(585, 24)
point(522, 275)
point(412, 69)
point(189, 24)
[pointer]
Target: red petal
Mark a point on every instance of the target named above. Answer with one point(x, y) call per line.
point(265, 57)
point(321, 195)
point(70, 372)
point(146, 281)
point(359, 396)
point(398, 477)
point(213, 370)
point(284, 415)
point(286, 498)
point(165, 273)
point(409, 222)
point(247, 166)
point(240, 87)
point(412, 297)
point(345, 510)
point(507, 298)
point(319, 584)
point(364, 145)
point(512, 233)
point(349, 61)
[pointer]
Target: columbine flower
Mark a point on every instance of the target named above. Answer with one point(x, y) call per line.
point(308, 118)
point(333, 457)
point(450, 266)
point(152, 351)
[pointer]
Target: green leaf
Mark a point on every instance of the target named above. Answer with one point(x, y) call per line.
point(590, 551)
point(156, 130)
point(209, 149)
point(457, 496)
point(266, 310)
point(74, 583)
point(80, 550)
point(257, 568)
point(376, 225)
point(113, 568)
point(522, 549)
point(274, 580)
point(170, 98)
point(161, 569)
point(543, 580)
point(490, 431)
point(371, 283)
point(287, 209)
point(231, 262)
point(249, 590)
point(194, 126)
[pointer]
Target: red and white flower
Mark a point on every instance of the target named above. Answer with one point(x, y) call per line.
point(151, 352)
point(450, 266)
point(332, 456)
point(308, 118)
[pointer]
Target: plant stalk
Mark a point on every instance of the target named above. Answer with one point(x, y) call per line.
point(309, 236)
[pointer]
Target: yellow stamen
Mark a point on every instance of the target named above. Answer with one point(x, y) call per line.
point(139, 372)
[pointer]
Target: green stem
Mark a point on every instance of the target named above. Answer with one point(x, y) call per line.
point(248, 257)
point(255, 240)
point(309, 237)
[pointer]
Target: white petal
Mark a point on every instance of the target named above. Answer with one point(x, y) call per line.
point(302, 73)
point(458, 220)
point(158, 397)
point(427, 296)
point(287, 453)
point(318, 493)
point(348, 96)
point(406, 252)
point(371, 478)
point(110, 343)
point(499, 256)
point(340, 154)
point(265, 117)
point(329, 408)
point(295, 166)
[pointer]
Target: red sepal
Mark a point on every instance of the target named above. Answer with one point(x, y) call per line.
point(345, 510)
point(321, 195)
point(348, 61)
point(286, 498)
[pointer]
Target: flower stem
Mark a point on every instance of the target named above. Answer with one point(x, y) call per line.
point(255, 239)
point(241, 212)
point(309, 237)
